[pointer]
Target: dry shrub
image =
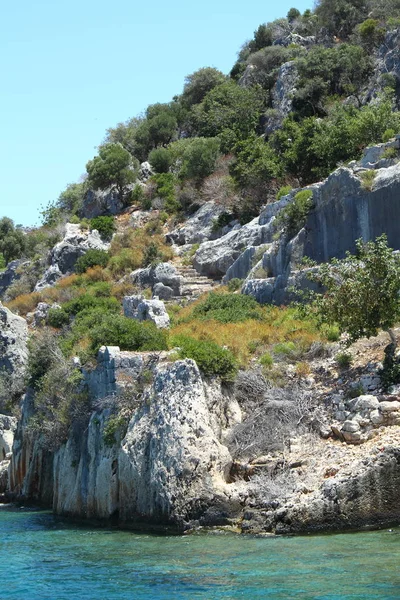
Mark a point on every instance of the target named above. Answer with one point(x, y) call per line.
point(60, 295)
point(220, 189)
point(96, 274)
point(123, 288)
point(128, 250)
point(272, 415)
point(279, 325)
point(24, 303)
point(68, 281)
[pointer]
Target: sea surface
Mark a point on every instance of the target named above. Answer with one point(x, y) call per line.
point(44, 557)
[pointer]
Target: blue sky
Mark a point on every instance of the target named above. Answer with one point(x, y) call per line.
point(71, 69)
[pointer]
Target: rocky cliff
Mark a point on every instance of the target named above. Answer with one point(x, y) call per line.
point(162, 455)
point(167, 465)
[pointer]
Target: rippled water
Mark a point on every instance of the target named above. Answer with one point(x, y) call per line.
point(42, 557)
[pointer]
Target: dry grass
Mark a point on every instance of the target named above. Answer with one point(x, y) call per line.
point(25, 303)
point(279, 325)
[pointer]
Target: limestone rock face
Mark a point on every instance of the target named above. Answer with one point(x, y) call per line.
point(343, 211)
point(137, 307)
point(214, 258)
point(282, 95)
point(13, 347)
point(101, 202)
point(10, 275)
point(8, 426)
point(172, 452)
point(64, 255)
point(199, 227)
point(366, 495)
point(387, 63)
point(168, 465)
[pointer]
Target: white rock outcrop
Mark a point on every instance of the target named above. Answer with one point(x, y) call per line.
point(64, 255)
point(13, 348)
point(137, 307)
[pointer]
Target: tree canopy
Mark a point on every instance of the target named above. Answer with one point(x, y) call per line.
point(362, 290)
point(113, 166)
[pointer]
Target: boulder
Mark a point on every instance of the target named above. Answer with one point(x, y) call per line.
point(214, 258)
point(137, 307)
point(50, 277)
point(145, 171)
point(199, 227)
point(64, 255)
point(10, 275)
point(8, 425)
point(101, 202)
point(162, 292)
point(164, 273)
point(13, 348)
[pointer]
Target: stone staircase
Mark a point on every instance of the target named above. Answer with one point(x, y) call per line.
point(193, 286)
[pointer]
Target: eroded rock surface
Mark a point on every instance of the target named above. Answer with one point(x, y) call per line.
point(170, 465)
point(13, 348)
point(140, 309)
point(64, 255)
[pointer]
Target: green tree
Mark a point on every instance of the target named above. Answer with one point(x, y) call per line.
point(261, 39)
point(339, 17)
point(199, 83)
point(70, 201)
point(199, 158)
point(12, 240)
point(293, 14)
point(255, 162)
point(229, 112)
point(113, 166)
point(362, 290)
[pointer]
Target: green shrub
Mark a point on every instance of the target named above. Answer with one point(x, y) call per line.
point(293, 217)
point(266, 360)
point(89, 301)
point(390, 372)
point(235, 284)
point(284, 348)
point(57, 317)
point(210, 358)
point(367, 179)
point(332, 333)
point(371, 33)
point(255, 164)
point(283, 191)
point(390, 153)
point(151, 255)
point(104, 225)
point(165, 183)
point(228, 308)
point(12, 240)
point(161, 159)
point(344, 359)
point(138, 197)
point(44, 351)
point(388, 135)
point(199, 158)
point(114, 425)
point(92, 258)
point(128, 334)
point(3, 263)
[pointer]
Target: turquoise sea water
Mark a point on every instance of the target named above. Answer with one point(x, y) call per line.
point(42, 557)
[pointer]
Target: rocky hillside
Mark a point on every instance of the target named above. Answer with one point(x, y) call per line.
point(155, 365)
